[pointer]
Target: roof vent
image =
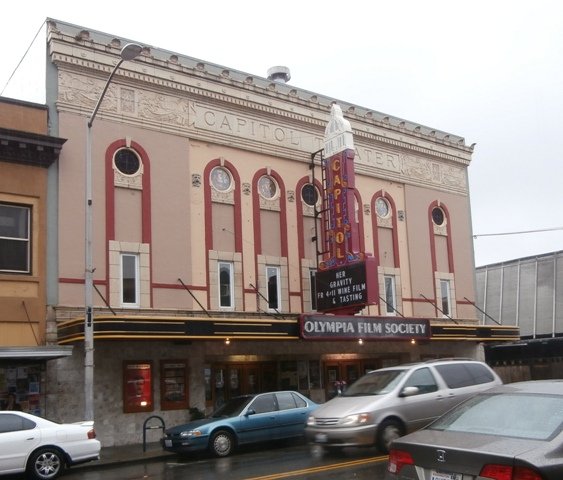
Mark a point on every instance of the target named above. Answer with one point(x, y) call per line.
point(279, 74)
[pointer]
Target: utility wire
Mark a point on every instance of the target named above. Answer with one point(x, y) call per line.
point(22, 59)
point(519, 233)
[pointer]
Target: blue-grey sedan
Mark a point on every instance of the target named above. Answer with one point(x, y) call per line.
point(243, 420)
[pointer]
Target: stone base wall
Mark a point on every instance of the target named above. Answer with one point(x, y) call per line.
point(64, 388)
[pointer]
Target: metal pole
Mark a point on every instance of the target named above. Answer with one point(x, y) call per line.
point(129, 52)
point(88, 287)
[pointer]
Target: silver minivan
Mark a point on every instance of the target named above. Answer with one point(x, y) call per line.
point(390, 402)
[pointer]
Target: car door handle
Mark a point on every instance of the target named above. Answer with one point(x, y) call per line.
point(30, 438)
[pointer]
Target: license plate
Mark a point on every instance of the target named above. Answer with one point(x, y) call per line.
point(321, 438)
point(167, 442)
point(445, 476)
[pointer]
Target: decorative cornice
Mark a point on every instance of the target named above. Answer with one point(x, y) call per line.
point(29, 148)
point(204, 102)
point(165, 68)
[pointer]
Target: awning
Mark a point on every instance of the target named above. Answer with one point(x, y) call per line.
point(48, 352)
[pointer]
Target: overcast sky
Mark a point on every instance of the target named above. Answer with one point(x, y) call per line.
point(490, 71)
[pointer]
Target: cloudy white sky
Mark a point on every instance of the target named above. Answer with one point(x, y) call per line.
point(488, 70)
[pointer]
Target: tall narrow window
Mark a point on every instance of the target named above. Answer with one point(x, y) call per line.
point(226, 297)
point(445, 297)
point(390, 296)
point(274, 290)
point(313, 278)
point(129, 280)
point(14, 239)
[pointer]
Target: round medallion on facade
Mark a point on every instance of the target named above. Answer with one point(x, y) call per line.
point(127, 162)
point(382, 207)
point(221, 179)
point(267, 187)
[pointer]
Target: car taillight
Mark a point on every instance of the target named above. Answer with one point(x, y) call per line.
point(507, 472)
point(91, 434)
point(397, 460)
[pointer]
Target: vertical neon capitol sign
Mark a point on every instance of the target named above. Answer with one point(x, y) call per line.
point(343, 233)
point(347, 278)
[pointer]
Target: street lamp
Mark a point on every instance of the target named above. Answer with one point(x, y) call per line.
point(128, 52)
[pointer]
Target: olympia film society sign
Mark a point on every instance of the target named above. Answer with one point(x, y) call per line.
point(333, 327)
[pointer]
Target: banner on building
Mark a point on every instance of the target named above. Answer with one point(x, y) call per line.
point(342, 327)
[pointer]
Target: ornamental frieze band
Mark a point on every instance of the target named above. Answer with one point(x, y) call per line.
point(197, 119)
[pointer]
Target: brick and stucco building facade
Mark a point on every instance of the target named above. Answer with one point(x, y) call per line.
point(206, 187)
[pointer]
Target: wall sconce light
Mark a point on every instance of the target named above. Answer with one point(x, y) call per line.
point(360, 342)
point(227, 341)
point(413, 341)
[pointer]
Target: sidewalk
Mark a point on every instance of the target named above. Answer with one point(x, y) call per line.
point(127, 454)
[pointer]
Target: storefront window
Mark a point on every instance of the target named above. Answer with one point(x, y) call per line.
point(208, 389)
point(137, 387)
point(314, 374)
point(288, 375)
point(20, 388)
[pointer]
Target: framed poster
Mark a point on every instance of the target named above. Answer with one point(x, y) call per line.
point(137, 387)
point(173, 384)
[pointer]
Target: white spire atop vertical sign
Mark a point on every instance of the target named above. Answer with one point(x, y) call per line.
point(338, 133)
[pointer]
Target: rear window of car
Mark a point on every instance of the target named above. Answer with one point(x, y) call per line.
point(299, 401)
point(530, 416)
point(14, 423)
point(458, 375)
point(289, 400)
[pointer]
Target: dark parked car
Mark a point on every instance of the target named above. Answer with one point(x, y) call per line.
point(510, 432)
point(243, 420)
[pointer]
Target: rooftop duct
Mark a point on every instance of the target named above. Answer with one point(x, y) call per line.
point(279, 74)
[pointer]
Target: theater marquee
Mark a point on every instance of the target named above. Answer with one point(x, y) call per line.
point(334, 327)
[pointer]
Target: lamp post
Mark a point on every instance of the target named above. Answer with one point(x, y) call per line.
point(128, 52)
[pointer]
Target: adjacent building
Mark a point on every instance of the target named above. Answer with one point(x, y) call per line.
point(208, 228)
point(26, 154)
point(525, 292)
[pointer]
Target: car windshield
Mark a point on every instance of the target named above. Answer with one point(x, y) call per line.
point(533, 416)
point(232, 408)
point(375, 383)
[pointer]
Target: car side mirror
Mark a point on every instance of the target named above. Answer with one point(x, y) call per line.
point(409, 391)
point(249, 412)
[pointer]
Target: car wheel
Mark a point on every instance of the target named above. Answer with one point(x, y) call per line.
point(45, 464)
point(388, 431)
point(222, 443)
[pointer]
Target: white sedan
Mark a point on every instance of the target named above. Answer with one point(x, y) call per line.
point(42, 448)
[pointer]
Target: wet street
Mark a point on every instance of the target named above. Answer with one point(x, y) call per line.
point(275, 462)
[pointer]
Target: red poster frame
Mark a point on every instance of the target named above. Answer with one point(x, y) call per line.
point(138, 386)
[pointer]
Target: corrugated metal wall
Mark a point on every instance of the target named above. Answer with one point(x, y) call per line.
point(527, 292)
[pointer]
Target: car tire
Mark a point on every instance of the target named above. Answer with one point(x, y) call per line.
point(222, 443)
point(388, 431)
point(45, 464)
